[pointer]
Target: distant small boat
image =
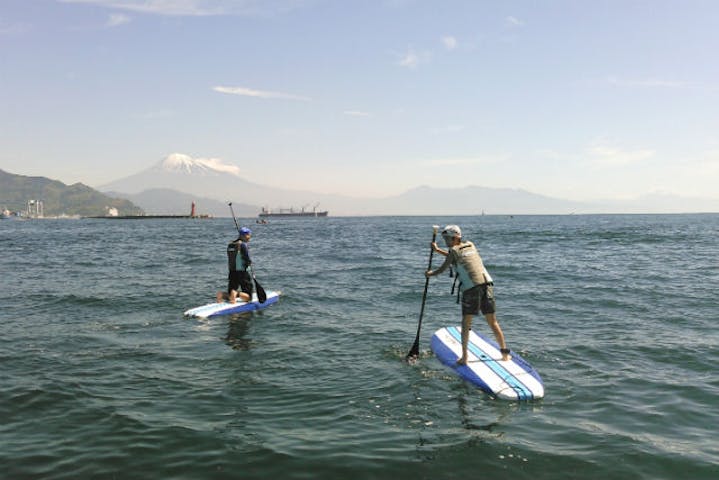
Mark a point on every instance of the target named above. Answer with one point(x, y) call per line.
point(291, 212)
point(8, 215)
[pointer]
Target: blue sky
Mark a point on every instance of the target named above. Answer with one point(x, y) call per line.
point(573, 99)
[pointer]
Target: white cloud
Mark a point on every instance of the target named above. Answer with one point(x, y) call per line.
point(447, 129)
point(647, 82)
point(357, 113)
point(709, 164)
point(449, 42)
point(511, 21)
point(463, 161)
point(196, 7)
point(600, 154)
point(413, 59)
point(249, 92)
point(155, 114)
point(117, 19)
point(13, 28)
point(219, 165)
point(606, 156)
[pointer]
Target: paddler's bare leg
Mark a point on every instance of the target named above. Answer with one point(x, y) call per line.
point(494, 325)
point(466, 327)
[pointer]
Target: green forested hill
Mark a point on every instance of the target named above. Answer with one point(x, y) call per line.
point(58, 198)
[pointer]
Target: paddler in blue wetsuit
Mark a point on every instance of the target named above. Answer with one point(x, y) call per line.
point(239, 282)
point(475, 283)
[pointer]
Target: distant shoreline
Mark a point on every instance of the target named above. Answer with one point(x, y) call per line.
point(146, 217)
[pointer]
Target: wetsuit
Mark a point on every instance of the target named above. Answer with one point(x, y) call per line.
point(238, 260)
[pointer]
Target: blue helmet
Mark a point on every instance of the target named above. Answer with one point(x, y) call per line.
point(245, 231)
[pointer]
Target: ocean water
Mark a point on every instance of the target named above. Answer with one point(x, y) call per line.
point(103, 377)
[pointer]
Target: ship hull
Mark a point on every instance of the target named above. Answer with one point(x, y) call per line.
point(293, 214)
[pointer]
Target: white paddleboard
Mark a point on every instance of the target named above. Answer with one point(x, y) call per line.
point(226, 308)
point(514, 379)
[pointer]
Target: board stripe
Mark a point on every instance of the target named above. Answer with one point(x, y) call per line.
point(522, 391)
point(444, 351)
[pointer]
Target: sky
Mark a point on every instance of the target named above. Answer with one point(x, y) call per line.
point(580, 100)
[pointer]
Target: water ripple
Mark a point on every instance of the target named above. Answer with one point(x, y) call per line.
point(104, 378)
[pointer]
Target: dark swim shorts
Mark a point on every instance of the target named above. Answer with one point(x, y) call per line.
point(239, 279)
point(478, 298)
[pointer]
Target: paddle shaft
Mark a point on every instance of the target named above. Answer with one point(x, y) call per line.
point(414, 351)
point(234, 218)
point(261, 294)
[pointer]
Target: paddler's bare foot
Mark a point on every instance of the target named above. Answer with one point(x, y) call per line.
point(220, 298)
point(462, 361)
point(505, 354)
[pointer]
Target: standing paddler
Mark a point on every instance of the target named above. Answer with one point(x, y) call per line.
point(475, 284)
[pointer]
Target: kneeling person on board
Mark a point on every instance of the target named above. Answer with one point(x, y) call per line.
point(239, 283)
point(476, 285)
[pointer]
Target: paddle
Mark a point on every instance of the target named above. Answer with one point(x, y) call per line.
point(261, 294)
point(414, 351)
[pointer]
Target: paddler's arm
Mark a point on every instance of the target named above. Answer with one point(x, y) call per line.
point(442, 268)
point(245, 252)
point(436, 248)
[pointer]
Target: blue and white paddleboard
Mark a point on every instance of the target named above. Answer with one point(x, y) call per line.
point(226, 308)
point(514, 379)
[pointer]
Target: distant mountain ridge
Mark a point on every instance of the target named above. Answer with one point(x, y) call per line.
point(221, 182)
point(475, 200)
point(216, 181)
point(58, 198)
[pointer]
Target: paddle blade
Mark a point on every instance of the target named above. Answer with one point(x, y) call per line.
point(261, 294)
point(413, 354)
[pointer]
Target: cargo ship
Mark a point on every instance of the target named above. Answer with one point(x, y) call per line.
point(112, 213)
point(291, 212)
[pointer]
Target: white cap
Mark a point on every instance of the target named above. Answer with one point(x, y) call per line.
point(451, 231)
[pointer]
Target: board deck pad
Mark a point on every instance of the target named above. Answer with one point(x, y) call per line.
point(226, 308)
point(514, 379)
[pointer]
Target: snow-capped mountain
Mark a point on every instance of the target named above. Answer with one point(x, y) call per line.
point(180, 163)
point(209, 178)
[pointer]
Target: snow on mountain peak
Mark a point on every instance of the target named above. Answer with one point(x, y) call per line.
point(181, 163)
